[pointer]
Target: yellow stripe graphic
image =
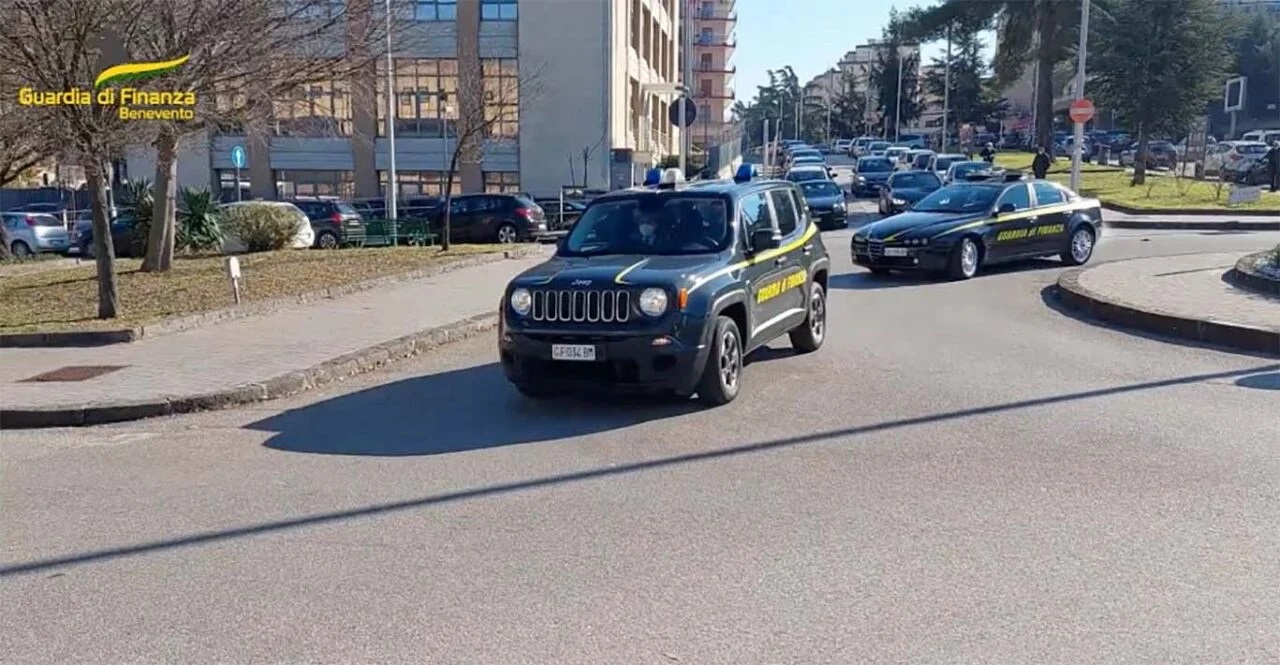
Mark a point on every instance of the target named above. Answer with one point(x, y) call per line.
point(762, 256)
point(138, 70)
point(621, 278)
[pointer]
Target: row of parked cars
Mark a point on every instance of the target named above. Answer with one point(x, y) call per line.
point(323, 222)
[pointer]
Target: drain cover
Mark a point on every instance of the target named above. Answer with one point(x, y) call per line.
point(73, 373)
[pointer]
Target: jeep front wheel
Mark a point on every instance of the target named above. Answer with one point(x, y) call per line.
point(722, 376)
point(808, 337)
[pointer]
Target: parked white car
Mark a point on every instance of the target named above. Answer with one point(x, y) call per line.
point(304, 240)
point(1233, 156)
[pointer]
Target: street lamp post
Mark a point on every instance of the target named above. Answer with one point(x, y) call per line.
point(946, 93)
point(392, 188)
point(1077, 147)
point(897, 104)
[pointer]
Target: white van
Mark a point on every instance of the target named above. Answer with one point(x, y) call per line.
point(1267, 136)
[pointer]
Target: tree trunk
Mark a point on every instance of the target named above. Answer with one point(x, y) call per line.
point(445, 241)
point(4, 242)
point(161, 237)
point(1140, 158)
point(1044, 97)
point(103, 248)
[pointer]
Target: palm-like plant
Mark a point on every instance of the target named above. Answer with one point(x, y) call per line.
point(136, 203)
point(199, 229)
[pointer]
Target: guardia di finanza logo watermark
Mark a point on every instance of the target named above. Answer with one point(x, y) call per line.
point(113, 88)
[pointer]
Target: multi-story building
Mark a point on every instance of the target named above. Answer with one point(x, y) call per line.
point(852, 75)
point(712, 44)
point(574, 77)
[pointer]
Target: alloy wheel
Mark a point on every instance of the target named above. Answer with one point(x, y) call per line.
point(1081, 245)
point(730, 360)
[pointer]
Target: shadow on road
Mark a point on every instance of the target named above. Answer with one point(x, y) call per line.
point(499, 489)
point(454, 411)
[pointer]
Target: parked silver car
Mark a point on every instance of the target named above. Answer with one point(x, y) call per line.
point(34, 233)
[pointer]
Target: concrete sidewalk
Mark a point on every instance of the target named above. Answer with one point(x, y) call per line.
point(1178, 296)
point(255, 358)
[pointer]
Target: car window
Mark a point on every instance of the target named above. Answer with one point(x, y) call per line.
point(1018, 196)
point(1047, 194)
point(874, 165)
point(1256, 149)
point(347, 209)
point(784, 207)
point(756, 215)
point(820, 188)
point(668, 225)
point(914, 179)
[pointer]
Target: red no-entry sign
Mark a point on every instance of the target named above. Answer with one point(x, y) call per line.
point(1082, 110)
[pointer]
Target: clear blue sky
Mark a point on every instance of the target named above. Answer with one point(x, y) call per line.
point(809, 35)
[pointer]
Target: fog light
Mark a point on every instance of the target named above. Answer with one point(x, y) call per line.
point(662, 341)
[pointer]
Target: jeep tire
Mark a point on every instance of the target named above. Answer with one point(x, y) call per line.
point(722, 377)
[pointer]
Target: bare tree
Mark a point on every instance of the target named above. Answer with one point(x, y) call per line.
point(58, 47)
point(488, 110)
point(243, 56)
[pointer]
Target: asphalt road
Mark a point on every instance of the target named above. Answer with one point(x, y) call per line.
point(962, 474)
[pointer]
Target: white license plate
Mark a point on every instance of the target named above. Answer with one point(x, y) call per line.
point(584, 352)
point(895, 251)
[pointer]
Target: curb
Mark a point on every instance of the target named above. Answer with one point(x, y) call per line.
point(1231, 225)
point(1129, 210)
point(293, 383)
point(188, 322)
point(1243, 276)
point(1217, 333)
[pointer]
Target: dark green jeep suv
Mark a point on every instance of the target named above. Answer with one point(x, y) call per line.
point(667, 288)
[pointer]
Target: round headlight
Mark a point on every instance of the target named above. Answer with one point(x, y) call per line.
point(521, 301)
point(653, 302)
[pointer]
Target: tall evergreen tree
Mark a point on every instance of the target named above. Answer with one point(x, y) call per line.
point(1158, 63)
point(972, 99)
point(894, 78)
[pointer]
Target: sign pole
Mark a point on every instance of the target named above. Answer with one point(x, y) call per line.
point(1077, 147)
point(238, 195)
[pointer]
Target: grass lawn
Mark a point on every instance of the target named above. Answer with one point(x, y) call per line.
point(1110, 184)
point(67, 298)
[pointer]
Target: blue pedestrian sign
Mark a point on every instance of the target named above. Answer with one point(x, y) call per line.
point(238, 158)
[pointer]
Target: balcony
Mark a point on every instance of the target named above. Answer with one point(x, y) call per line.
point(715, 41)
point(718, 15)
point(712, 93)
point(708, 68)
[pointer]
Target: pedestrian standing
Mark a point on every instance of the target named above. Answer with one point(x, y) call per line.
point(989, 154)
point(1040, 165)
point(1273, 166)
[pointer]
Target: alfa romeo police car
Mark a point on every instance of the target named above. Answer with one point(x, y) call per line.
point(668, 289)
point(986, 220)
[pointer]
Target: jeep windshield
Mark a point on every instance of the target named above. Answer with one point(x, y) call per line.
point(655, 223)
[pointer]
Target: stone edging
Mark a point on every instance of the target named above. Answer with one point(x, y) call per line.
point(335, 369)
point(1129, 210)
point(1240, 337)
point(191, 321)
point(1244, 276)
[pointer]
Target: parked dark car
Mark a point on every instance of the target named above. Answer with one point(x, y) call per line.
point(561, 213)
point(502, 218)
point(121, 236)
point(905, 188)
point(335, 222)
point(414, 207)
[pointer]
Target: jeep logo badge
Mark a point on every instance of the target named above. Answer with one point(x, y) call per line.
point(581, 282)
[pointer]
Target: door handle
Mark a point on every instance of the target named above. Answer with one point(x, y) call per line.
point(781, 260)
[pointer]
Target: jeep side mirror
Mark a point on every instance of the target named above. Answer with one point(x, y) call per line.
point(764, 239)
point(1006, 208)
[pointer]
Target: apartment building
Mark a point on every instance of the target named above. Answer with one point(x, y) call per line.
point(852, 75)
point(712, 44)
point(567, 79)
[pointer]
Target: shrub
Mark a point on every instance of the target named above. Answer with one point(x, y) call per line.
point(262, 227)
point(198, 221)
point(137, 202)
point(1275, 256)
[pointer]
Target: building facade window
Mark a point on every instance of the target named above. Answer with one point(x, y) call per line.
point(501, 182)
point(498, 10)
point(315, 183)
point(426, 97)
point(227, 185)
point(314, 110)
point(502, 97)
point(435, 10)
point(420, 183)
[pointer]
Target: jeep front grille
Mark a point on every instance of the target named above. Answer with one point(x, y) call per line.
point(581, 306)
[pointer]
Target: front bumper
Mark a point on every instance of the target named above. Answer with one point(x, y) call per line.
point(867, 188)
point(54, 244)
point(830, 218)
point(928, 259)
point(623, 363)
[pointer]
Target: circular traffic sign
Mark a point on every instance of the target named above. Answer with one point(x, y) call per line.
point(1082, 110)
point(690, 112)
